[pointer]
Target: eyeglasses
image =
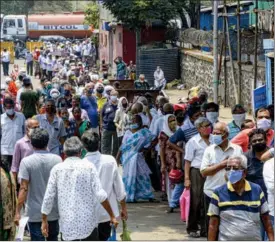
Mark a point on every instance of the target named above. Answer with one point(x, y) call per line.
point(234, 168)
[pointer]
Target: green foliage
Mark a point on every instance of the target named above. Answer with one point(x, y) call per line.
point(136, 13)
point(16, 6)
point(32, 6)
point(92, 15)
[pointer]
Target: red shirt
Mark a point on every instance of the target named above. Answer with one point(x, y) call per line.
point(242, 138)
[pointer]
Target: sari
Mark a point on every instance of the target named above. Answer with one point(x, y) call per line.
point(7, 206)
point(136, 173)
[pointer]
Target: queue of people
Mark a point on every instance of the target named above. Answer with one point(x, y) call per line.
point(65, 142)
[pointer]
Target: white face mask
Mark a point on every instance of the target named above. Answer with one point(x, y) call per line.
point(239, 118)
point(264, 124)
point(10, 111)
point(212, 116)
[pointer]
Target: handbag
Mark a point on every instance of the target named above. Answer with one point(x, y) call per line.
point(113, 234)
point(175, 176)
point(125, 236)
point(185, 205)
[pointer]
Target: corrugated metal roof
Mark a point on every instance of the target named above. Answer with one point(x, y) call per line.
point(228, 5)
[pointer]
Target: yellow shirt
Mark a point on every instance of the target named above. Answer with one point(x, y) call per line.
point(100, 102)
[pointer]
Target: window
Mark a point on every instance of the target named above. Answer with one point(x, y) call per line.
point(20, 23)
point(11, 23)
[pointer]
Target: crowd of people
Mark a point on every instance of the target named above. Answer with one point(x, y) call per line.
point(63, 143)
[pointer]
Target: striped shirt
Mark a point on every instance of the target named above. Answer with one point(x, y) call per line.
point(185, 133)
point(240, 215)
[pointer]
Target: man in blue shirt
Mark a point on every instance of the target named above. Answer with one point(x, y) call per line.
point(238, 114)
point(109, 142)
point(89, 104)
point(187, 130)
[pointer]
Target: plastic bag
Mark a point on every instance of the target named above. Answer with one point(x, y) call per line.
point(21, 228)
point(185, 204)
point(113, 234)
point(125, 236)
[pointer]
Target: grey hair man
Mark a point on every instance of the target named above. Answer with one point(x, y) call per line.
point(238, 208)
point(194, 181)
point(215, 159)
point(76, 186)
point(34, 173)
point(110, 179)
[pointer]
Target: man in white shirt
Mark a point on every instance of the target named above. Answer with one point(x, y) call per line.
point(111, 182)
point(194, 181)
point(29, 62)
point(268, 174)
point(76, 187)
point(12, 130)
point(5, 58)
point(50, 66)
point(215, 160)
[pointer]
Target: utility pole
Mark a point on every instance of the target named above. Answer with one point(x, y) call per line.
point(215, 51)
point(256, 45)
point(239, 54)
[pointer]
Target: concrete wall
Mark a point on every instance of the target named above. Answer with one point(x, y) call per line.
point(197, 69)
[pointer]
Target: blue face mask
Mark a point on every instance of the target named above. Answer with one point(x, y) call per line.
point(217, 139)
point(234, 176)
point(134, 126)
point(91, 91)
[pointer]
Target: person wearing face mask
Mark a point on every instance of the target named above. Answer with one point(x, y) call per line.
point(214, 161)
point(263, 121)
point(54, 125)
point(160, 81)
point(76, 103)
point(109, 143)
point(238, 114)
point(257, 140)
point(100, 98)
point(188, 130)
point(136, 173)
point(141, 83)
point(120, 118)
point(194, 181)
point(233, 215)
point(23, 147)
point(212, 112)
point(145, 112)
point(55, 95)
point(89, 104)
point(29, 99)
point(70, 126)
point(169, 162)
point(12, 130)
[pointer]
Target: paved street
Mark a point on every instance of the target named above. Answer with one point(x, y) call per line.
point(149, 221)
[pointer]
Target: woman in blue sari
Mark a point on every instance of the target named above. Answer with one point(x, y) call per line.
point(136, 173)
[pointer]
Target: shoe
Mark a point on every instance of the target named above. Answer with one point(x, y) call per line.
point(153, 200)
point(194, 234)
point(203, 234)
point(170, 210)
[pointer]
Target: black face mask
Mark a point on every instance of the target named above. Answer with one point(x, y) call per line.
point(259, 147)
point(180, 119)
point(100, 90)
point(124, 105)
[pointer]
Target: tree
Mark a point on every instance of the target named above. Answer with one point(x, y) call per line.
point(92, 15)
point(31, 6)
point(137, 13)
point(16, 6)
